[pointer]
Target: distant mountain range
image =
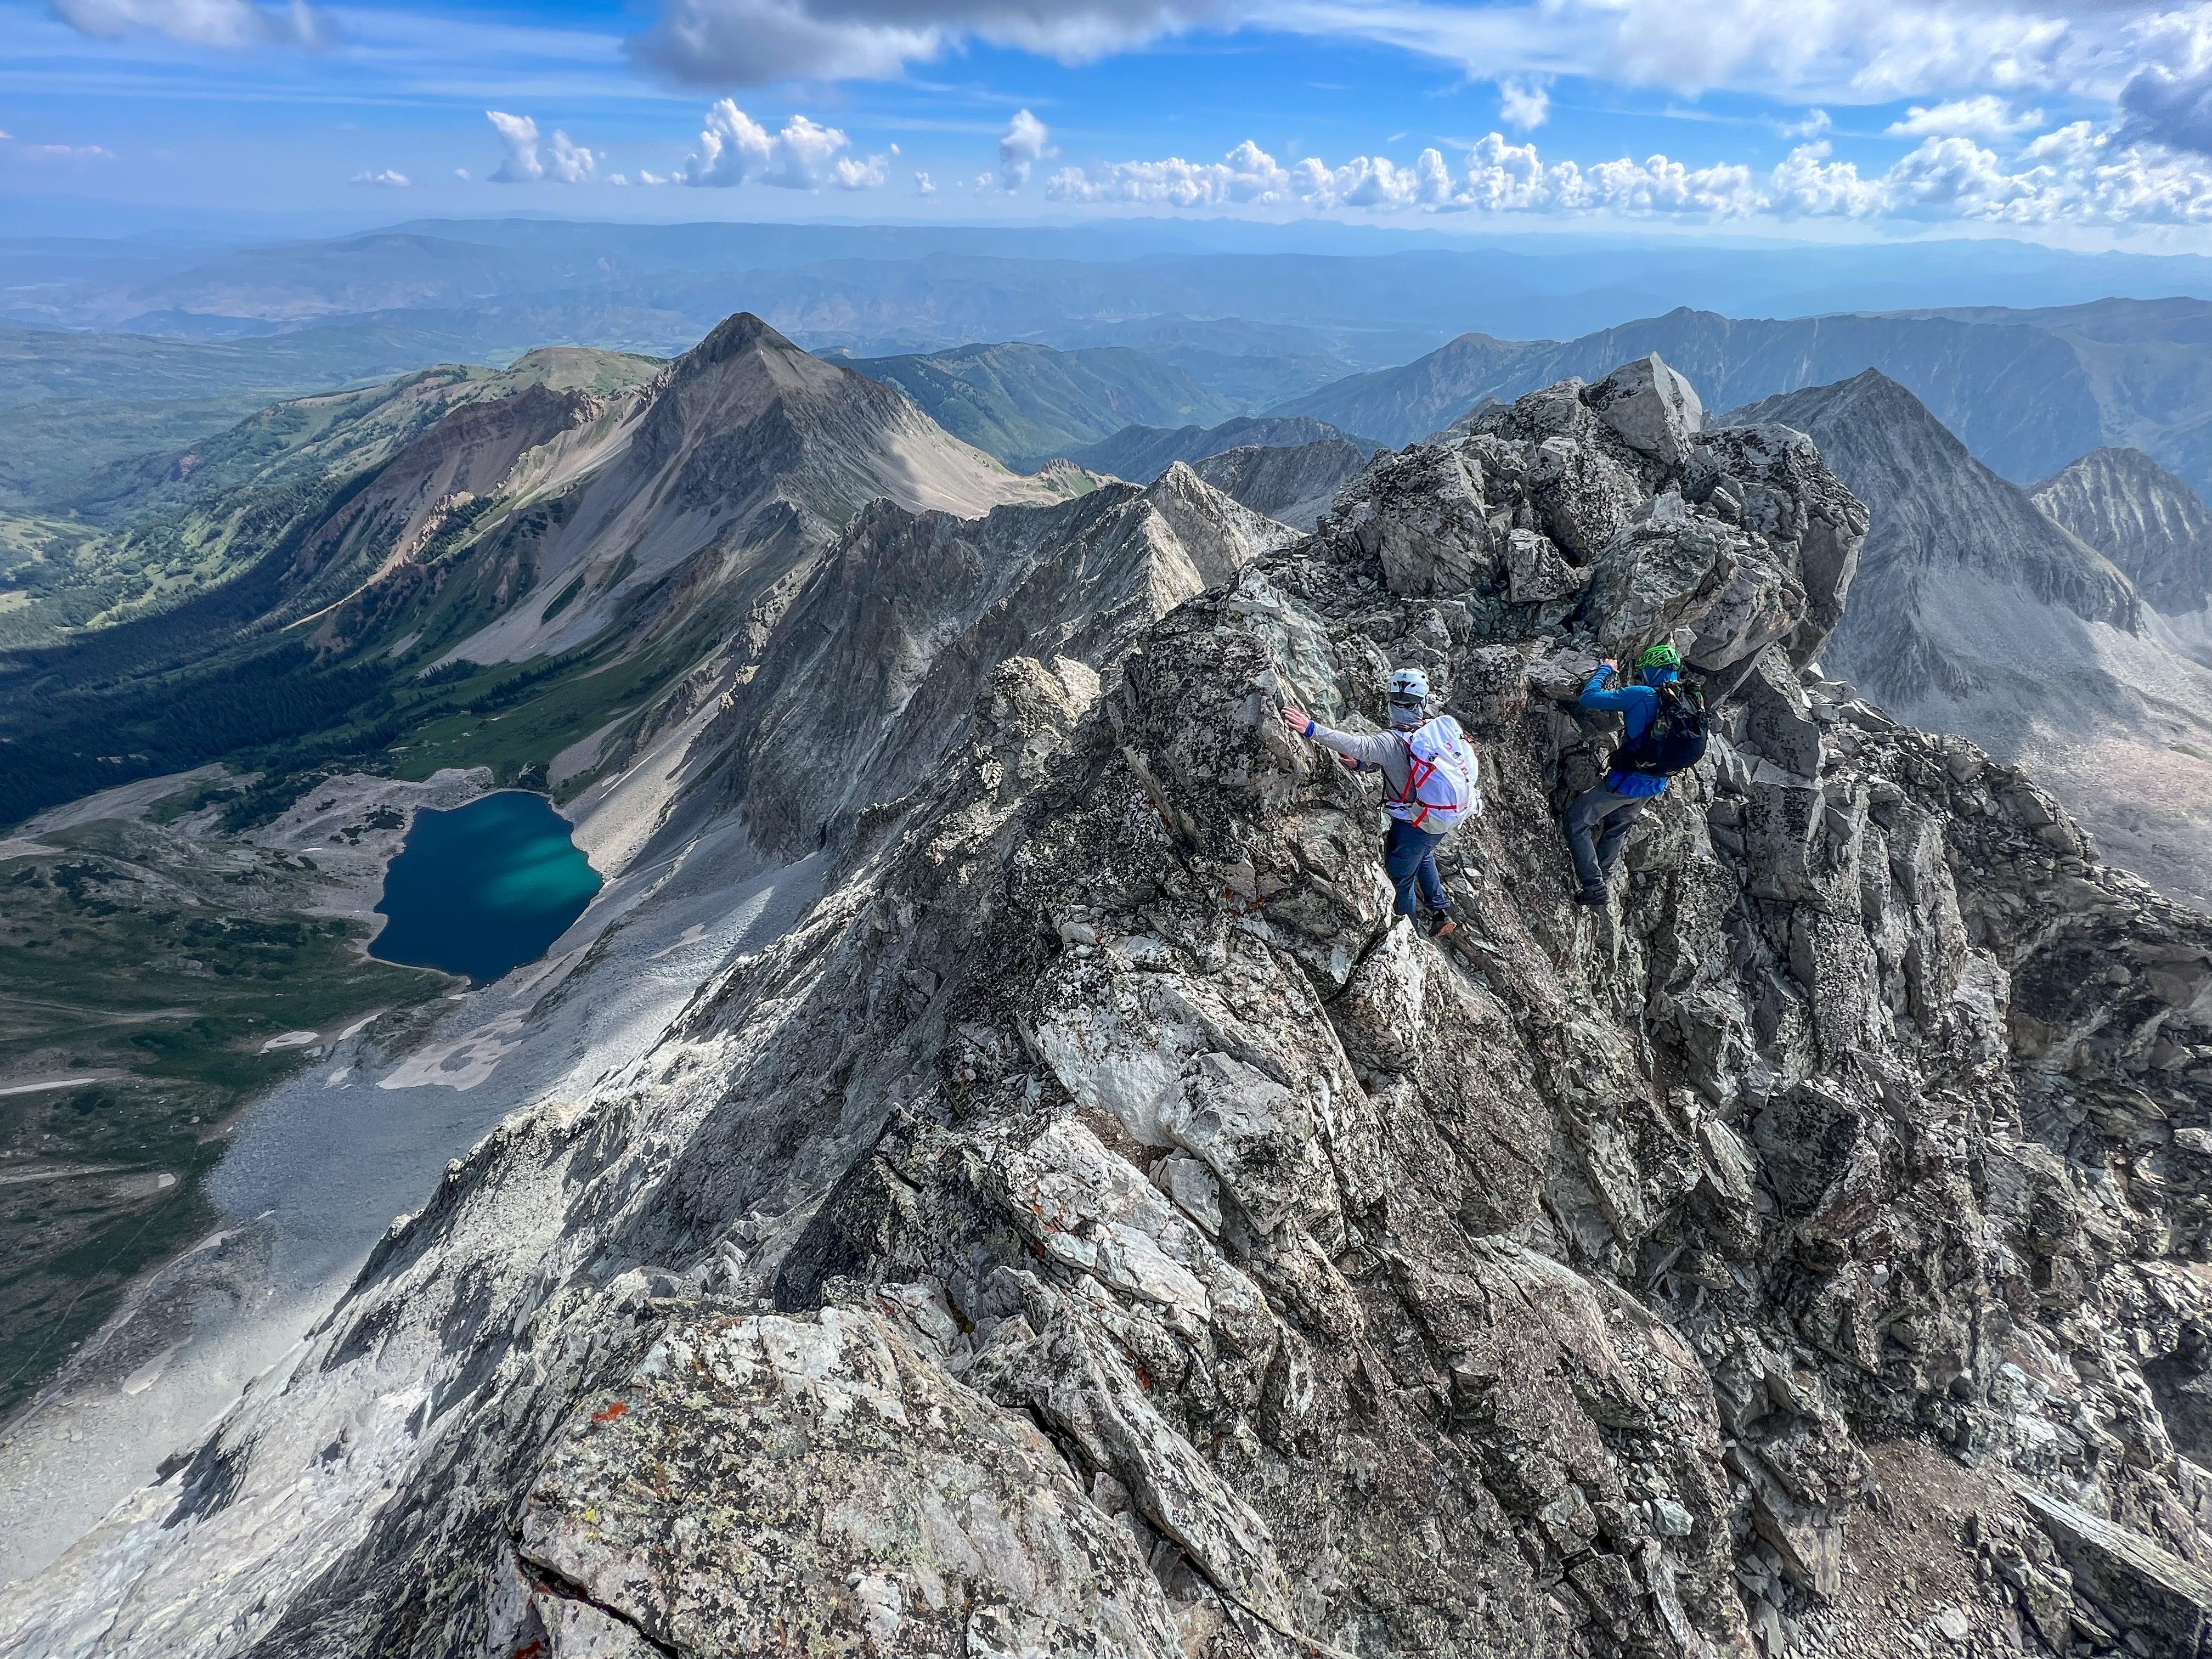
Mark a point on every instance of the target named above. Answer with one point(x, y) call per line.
point(1254, 365)
point(1028, 404)
point(1141, 453)
point(1228, 323)
point(1977, 612)
point(2027, 392)
point(1376, 297)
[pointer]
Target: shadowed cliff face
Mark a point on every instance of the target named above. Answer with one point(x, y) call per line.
point(1095, 1230)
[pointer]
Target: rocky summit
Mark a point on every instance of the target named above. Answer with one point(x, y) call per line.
point(1096, 1229)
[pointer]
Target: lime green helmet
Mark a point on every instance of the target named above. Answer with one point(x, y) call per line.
point(1660, 656)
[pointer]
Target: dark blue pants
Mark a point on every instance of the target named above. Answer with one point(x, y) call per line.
point(1409, 858)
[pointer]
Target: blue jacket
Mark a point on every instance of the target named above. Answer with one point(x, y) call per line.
point(1638, 706)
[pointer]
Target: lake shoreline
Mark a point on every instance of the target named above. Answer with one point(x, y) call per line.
point(483, 888)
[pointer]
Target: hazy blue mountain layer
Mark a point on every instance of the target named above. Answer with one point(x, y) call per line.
point(1029, 404)
point(1141, 453)
point(2026, 393)
point(888, 289)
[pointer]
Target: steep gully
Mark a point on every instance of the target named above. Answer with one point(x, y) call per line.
point(1093, 1229)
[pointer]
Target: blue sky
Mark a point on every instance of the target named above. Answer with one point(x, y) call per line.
point(2080, 122)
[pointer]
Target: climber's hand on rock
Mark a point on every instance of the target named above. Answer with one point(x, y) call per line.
point(1347, 762)
point(1294, 718)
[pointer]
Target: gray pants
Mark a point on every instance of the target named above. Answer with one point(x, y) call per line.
point(1597, 823)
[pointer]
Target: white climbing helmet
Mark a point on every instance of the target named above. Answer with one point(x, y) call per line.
point(1408, 686)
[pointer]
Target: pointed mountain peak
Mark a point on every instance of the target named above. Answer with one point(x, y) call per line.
point(1219, 534)
point(2115, 463)
point(1872, 385)
point(745, 369)
point(745, 345)
point(1935, 507)
point(2146, 521)
point(738, 333)
point(1882, 412)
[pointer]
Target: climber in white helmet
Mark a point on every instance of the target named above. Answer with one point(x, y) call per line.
point(1430, 771)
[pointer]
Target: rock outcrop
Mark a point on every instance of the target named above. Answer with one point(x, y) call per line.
point(1097, 1229)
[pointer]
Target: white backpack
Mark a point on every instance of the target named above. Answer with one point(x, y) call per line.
point(1442, 779)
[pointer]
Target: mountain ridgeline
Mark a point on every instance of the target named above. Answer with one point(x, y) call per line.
point(617, 523)
point(1028, 404)
point(2027, 392)
point(1095, 1227)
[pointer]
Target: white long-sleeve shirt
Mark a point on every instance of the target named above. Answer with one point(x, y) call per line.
point(1384, 751)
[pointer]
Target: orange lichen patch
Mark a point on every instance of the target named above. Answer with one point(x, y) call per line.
point(611, 1412)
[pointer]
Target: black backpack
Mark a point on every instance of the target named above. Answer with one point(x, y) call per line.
point(1674, 742)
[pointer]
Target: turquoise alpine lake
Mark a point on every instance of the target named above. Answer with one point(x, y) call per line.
point(484, 888)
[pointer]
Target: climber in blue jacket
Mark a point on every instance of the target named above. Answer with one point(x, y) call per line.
point(1600, 818)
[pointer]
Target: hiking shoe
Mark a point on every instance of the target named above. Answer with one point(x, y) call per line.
point(1442, 927)
point(1590, 895)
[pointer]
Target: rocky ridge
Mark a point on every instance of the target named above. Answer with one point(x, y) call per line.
point(1095, 1230)
point(913, 612)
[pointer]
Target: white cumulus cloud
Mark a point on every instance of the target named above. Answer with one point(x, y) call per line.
point(226, 23)
point(736, 149)
point(531, 160)
point(924, 184)
point(1523, 105)
point(2081, 173)
point(1249, 174)
point(388, 179)
point(1026, 142)
point(1984, 116)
